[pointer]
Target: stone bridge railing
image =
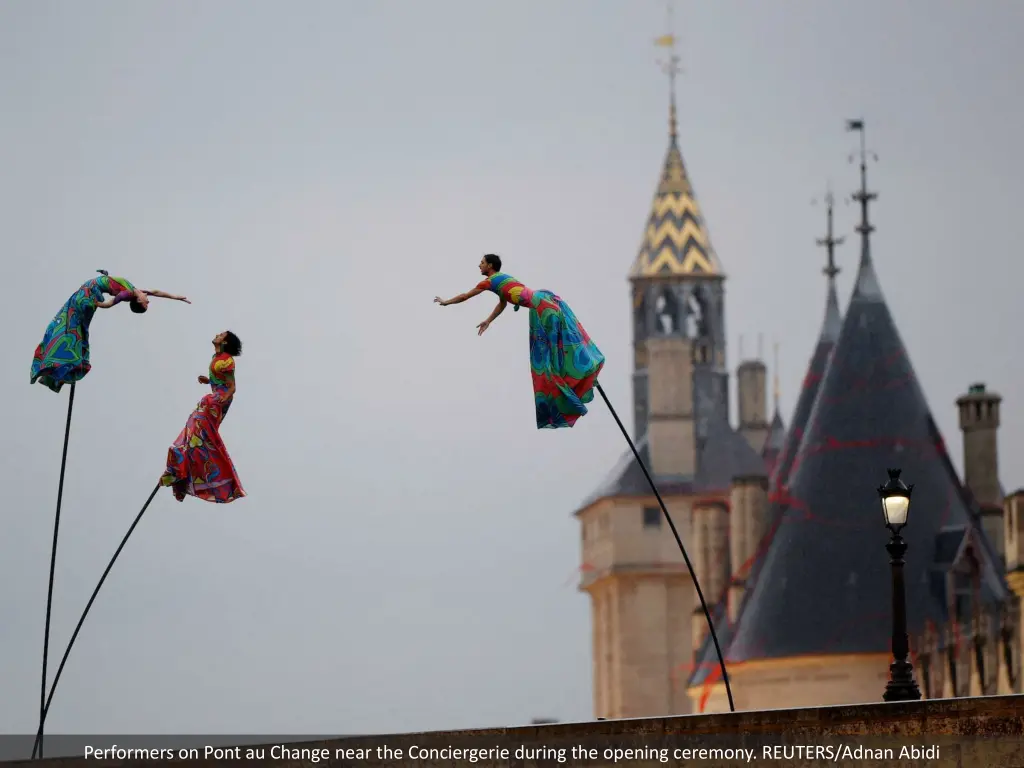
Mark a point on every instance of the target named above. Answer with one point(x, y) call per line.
point(987, 732)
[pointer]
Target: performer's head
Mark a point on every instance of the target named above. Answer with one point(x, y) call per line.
point(490, 264)
point(228, 343)
point(139, 302)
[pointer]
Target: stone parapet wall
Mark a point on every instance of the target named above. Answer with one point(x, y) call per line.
point(987, 732)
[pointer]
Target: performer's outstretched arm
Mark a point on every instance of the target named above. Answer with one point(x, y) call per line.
point(163, 295)
point(460, 298)
point(129, 296)
point(493, 316)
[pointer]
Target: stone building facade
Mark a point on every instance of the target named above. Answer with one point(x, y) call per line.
point(783, 526)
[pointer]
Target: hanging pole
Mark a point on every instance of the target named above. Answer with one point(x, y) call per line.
point(67, 652)
point(679, 541)
point(53, 565)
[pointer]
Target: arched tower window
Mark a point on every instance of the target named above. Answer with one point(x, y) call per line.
point(666, 310)
point(696, 314)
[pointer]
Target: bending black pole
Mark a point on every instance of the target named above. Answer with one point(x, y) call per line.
point(679, 541)
point(74, 635)
point(53, 566)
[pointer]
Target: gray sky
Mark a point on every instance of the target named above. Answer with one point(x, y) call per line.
point(311, 175)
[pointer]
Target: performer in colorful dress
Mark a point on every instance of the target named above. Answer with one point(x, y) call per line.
point(565, 362)
point(63, 356)
point(198, 464)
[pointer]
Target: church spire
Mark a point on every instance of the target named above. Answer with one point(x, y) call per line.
point(676, 242)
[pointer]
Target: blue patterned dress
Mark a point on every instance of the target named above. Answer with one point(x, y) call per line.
point(564, 361)
point(63, 356)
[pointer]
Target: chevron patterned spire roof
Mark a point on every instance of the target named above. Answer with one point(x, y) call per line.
point(676, 241)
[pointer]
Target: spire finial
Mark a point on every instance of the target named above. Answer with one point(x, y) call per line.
point(775, 377)
point(671, 68)
point(833, 323)
point(862, 195)
point(829, 241)
point(760, 346)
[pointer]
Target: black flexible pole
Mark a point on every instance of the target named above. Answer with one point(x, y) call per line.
point(679, 541)
point(74, 635)
point(53, 565)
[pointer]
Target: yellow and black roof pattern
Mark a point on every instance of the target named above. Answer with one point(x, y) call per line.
point(676, 241)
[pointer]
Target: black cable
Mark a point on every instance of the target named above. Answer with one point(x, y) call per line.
point(74, 635)
point(53, 565)
point(679, 541)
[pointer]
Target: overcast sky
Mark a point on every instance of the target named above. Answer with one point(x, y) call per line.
point(311, 175)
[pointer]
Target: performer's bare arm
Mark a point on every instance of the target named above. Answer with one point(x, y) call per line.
point(493, 316)
point(127, 296)
point(164, 295)
point(460, 298)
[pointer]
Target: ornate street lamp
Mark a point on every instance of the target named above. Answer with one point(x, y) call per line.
point(895, 498)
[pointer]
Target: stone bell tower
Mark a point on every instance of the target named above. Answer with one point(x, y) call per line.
point(641, 593)
point(680, 382)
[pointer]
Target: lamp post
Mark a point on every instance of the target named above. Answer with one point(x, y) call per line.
point(895, 498)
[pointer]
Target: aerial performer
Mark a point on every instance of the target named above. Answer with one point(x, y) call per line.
point(63, 358)
point(63, 355)
point(566, 364)
point(565, 361)
point(197, 465)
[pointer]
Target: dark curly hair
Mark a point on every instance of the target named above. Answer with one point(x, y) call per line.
point(137, 308)
point(232, 345)
point(494, 260)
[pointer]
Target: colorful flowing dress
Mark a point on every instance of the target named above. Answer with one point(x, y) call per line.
point(565, 362)
point(63, 356)
point(198, 464)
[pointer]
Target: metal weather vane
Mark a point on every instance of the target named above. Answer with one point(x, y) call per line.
point(671, 65)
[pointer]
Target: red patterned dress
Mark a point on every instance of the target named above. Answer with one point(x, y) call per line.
point(198, 464)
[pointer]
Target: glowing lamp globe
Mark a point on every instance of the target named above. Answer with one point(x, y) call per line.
point(895, 498)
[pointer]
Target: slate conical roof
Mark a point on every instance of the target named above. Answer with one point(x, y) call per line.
point(780, 464)
point(830, 327)
point(824, 584)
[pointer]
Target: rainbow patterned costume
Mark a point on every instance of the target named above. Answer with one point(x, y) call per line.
point(198, 464)
point(565, 362)
point(63, 356)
